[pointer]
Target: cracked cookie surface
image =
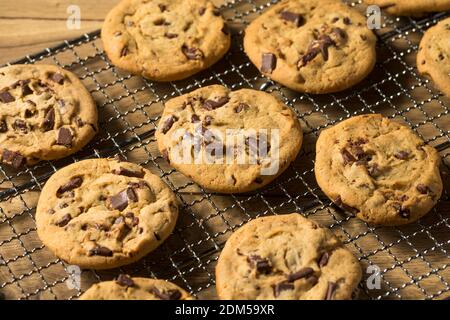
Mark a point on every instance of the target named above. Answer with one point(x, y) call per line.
point(46, 113)
point(378, 169)
point(127, 288)
point(286, 257)
point(234, 141)
point(311, 46)
point(411, 8)
point(101, 213)
point(165, 40)
point(433, 58)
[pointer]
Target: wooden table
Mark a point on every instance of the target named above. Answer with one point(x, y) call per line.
point(29, 26)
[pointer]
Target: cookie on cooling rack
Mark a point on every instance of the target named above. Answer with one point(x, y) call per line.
point(378, 169)
point(433, 58)
point(127, 288)
point(411, 8)
point(286, 257)
point(165, 40)
point(101, 213)
point(314, 46)
point(229, 141)
point(46, 113)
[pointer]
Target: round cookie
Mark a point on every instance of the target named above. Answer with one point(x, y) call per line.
point(286, 257)
point(411, 8)
point(378, 169)
point(433, 58)
point(229, 141)
point(165, 40)
point(101, 213)
point(314, 46)
point(46, 113)
point(127, 288)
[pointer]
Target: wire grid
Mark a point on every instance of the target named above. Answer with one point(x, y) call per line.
point(412, 260)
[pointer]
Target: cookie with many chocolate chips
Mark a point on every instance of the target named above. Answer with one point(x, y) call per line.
point(127, 288)
point(286, 257)
point(433, 58)
point(165, 40)
point(229, 141)
point(46, 113)
point(101, 213)
point(378, 169)
point(411, 8)
point(314, 46)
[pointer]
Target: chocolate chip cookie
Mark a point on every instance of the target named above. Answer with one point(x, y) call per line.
point(433, 58)
point(411, 8)
point(378, 169)
point(46, 113)
point(229, 141)
point(165, 40)
point(102, 213)
point(127, 288)
point(286, 257)
point(314, 46)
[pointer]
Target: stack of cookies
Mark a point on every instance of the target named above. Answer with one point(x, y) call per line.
point(106, 213)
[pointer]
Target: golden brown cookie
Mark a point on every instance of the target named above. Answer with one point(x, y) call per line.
point(165, 40)
point(46, 113)
point(314, 46)
point(101, 213)
point(286, 257)
point(378, 169)
point(411, 8)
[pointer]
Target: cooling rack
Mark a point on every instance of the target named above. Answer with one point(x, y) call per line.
point(412, 261)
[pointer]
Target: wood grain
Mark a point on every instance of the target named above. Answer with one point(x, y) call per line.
point(28, 26)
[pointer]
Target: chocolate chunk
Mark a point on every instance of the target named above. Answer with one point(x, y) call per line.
point(258, 180)
point(63, 205)
point(292, 17)
point(402, 211)
point(162, 7)
point(339, 32)
point(331, 290)
point(80, 122)
point(282, 286)
point(124, 280)
point(323, 261)
point(20, 125)
point(347, 21)
point(335, 19)
point(129, 173)
point(64, 220)
point(26, 90)
point(268, 62)
point(73, 183)
point(192, 53)
point(135, 221)
point(347, 156)
point(13, 158)
point(64, 137)
point(3, 126)
point(100, 251)
point(207, 120)
point(168, 124)
point(302, 273)
point(216, 12)
point(195, 118)
point(240, 107)
point(57, 77)
point(124, 51)
point(201, 11)
point(325, 42)
point(132, 195)
point(402, 155)
point(338, 201)
point(262, 265)
point(119, 201)
point(28, 113)
point(310, 54)
point(6, 97)
point(320, 45)
point(119, 220)
point(169, 35)
point(363, 37)
point(423, 189)
point(49, 120)
point(171, 294)
point(211, 104)
point(31, 102)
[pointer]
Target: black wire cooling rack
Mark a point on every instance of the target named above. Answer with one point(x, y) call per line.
point(413, 261)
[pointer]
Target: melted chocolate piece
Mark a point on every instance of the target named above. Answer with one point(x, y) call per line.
point(13, 158)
